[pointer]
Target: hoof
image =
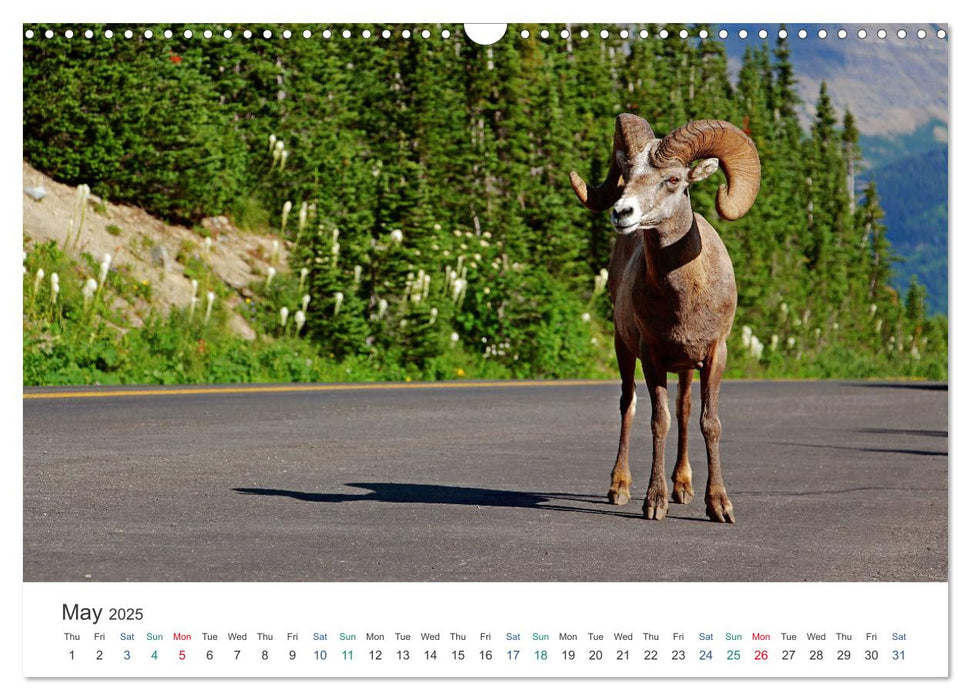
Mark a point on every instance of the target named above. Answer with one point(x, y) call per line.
point(618, 497)
point(719, 508)
point(683, 493)
point(656, 503)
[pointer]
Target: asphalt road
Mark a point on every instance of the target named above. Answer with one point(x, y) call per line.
point(831, 481)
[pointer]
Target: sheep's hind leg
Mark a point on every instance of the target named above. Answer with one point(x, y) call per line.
point(656, 502)
point(683, 493)
point(619, 493)
point(719, 508)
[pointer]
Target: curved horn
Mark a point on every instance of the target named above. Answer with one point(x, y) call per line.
point(736, 154)
point(631, 135)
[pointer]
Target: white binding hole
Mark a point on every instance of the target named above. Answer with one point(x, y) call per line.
point(167, 33)
point(485, 34)
point(267, 34)
point(207, 34)
point(109, 33)
point(821, 33)
point(881, 34)
point(326, 34)
point(683, 34)
point(187, 33)
point(723, 34)
point(783, 33)
point(584, 34)
point(861, 34)
point(663, 34)
point(803, 34)
point(643, 34)
point(624, 33)
point(247, 34)
point(307, 33)
point(29, 34)
point(406, 34)
point(545, 34)
point(346, 33)
point(425, 34)
point(386, 34)
point(49, 34)
point(703, 34)
point(921, 34)
point(88, 34)
point(68, 34)
point(227, 34)
point(287, 34)
point(564, 34)
point(941, 34)
point(901, 33)
point(446, 34)
point(841, 33)
point(128, 34)
point(604, 34)
point(763, 34)
point(742, 34)
point(366, 33)
point(148, 33)
point(524, 34)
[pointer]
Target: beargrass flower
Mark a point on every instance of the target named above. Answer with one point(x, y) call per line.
point(299, 319)
point(270, 274)
point(382, 307)
point(357, 274)
point(38, 278)
point(433, 315)
point(585, 317)
point(272, 142)
point(454, 338)
point(90, 287)
point(287, 206)
point(105, 266)
point(304, 302)
point(397, 236)
point(210, 298)
point(284, 315)
point(302, 216)
point(338, 300)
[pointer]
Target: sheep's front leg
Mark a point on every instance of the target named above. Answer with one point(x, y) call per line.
point(656, 502)
point(683, 493)
point(716, 498)
point(619, 493)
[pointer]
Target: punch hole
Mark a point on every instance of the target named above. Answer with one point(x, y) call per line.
point(841, 33)
point(763, 34)
point(783, 33)
point(821, 34)
point(663, 34)
point(803, 34)
point(129, 34)
point(486, 34)
point(29, 34)
point(88, 34)
point(921, 34)
point(524, 34)
point(861, 34)
point(683, 34)
point(69, 34)
point(545, 34)
point(228, 34)
point(49, 34)
point(941, 34)
point(346, 33)
point(366, 34)
point(167, 33)
point(187, 33)
point(723, 34)
point(247, 34)
point(624, 33)
point(703, 34)
point(446, 34)
point(287, 34)
point(564, 34)
point(148, 34)
point(326, 34)
point(386, 34)
point(901, 33)
point(267, 34)
point(881, 34)
point(643, 34)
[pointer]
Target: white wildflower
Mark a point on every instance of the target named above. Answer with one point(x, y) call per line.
point(299, 319)
point(103, 272)
point(270, 274)
point(272, 141)
point(585, 317)
point(791, 342)
point(397, 236)
point(90, 287)
point(454, 338)
point(302, 217)
point(284, 315)
point(382, 307)
point(433, 315)
point(38, 278)
point(774, 343)
point(304, 302)
point(338, 300)
point(873, 309)
point(357, 274)
point(210, 298)
point(303, 277)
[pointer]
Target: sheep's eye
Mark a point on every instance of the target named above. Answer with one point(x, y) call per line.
point(673, 180)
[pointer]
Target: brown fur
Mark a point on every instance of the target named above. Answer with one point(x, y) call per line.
point(673, 288)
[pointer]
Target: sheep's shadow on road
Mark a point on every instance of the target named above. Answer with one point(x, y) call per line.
point(434, 494)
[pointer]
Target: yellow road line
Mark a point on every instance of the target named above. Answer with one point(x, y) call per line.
point(304, 387)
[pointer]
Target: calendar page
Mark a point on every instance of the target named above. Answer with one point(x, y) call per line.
point(539, 350)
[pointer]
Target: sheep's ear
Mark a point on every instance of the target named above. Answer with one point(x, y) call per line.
point(703, 170)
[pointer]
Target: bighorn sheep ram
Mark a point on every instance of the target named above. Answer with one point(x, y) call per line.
point(673, 287)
